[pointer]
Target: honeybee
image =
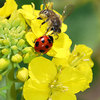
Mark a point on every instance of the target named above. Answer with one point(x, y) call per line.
point(53, 19)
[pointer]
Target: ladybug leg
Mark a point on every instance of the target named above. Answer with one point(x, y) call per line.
point(44, 22)
point(34, 41)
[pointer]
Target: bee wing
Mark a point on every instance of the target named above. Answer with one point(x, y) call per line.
point(67, 11)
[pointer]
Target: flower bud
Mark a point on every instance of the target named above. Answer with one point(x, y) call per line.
point(5, 51)
point(22, 74)
point(28, 57)
point(4, 63)
point(14, 42)
point(6, 42)
point(14, 48)
point(16, 58)
point(21, 43)
point(27, 49)
point(0, 77)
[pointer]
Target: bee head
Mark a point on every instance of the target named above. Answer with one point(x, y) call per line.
point(44, 13)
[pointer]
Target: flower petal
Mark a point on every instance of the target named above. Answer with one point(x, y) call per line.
point(73, 79)
point(63, 28)
point(8, 8)
point(63, 96)
point(30, 37)
point(81, 53)
point(27, 11)
point(62, 45)
point(42, 70)
point(86, 70)
point(32, 91)
point(60, 61)
point(37, 30)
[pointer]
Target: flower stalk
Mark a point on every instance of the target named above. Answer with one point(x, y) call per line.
point(11, 91)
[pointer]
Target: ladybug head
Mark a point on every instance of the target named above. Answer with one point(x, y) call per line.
point(51, 38)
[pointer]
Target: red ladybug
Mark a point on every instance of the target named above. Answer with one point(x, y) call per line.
point(43, 44)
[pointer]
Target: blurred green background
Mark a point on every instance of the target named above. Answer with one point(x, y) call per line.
point(83, 28)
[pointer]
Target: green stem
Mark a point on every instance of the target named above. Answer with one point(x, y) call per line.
point(11, 92)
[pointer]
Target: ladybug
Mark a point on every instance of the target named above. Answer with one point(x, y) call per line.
point(43, 44)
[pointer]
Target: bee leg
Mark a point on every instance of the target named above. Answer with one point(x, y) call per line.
point(47, 29)
point(56, 35)
point(44, 22)
point(39, 18)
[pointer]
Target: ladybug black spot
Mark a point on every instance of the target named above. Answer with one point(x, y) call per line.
point(42, 51)
point(49, 41)
point(36, 44)
point(47, 46)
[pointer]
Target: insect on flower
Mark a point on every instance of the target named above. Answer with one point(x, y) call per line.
point(43, 44)
point(53, 19)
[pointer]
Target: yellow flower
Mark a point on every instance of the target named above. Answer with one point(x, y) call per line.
point(46, 83)
point(81, 61)
point(8, 8)
point(62, 44)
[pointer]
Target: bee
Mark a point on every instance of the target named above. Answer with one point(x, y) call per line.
point(53, 19)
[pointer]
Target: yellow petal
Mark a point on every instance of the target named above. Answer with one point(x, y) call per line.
point(51, 52)
point(81, 53)
point(57, 95)
point(42, 70)
point(37, 30)
point(62, 46)
point(30, 37)
point(86, 70)
point(32, 91)
point(63, 28)
point(73, 79)
point(60, 61)
point(8, 8)
point(27, 11)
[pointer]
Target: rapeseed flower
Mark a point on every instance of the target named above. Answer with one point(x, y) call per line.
point(46, 83)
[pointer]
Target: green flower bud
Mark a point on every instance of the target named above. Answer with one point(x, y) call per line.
point(6, 42)
point(14, 48)
point(21, 43)
point(28, 57)
point(27, 49)
point(4, 63)
point(14, 42)
point(16, 58)
point(5, 51)
point(0, 77)
point(22, 74)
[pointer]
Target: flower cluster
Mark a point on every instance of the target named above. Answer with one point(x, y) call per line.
point(60, 78)
point(13, 46)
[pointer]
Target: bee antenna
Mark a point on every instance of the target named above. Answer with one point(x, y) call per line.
point(45, 4)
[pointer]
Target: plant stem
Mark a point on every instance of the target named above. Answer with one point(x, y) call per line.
point(11, 92)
